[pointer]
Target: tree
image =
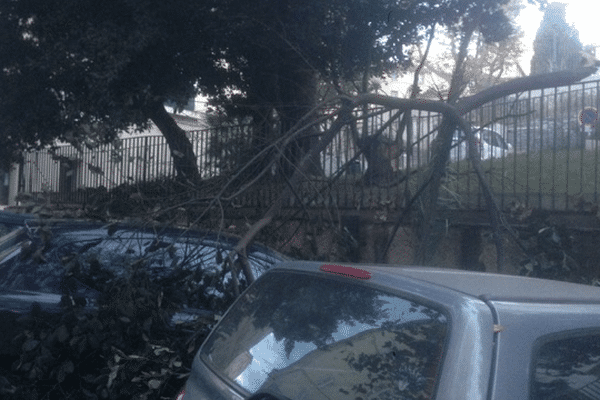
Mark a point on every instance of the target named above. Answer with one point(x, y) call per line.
point(491, 21)
point(494, 25)
point(74, 67)
point(487, 62)
point(91, 80)
point(556, 46)
point(278, 54)
point(70, 68)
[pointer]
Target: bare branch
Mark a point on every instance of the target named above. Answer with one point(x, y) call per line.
point(402, 104)
point(535, 82)
point(295, 131)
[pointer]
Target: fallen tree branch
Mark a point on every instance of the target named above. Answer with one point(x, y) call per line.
point(452, 115)
point(534, 82)
point(345, 114)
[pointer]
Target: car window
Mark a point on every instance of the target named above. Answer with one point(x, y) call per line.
point(567, 368)
point(499, 141)
point(487, 137)
point(299, 336)
point(95, 247)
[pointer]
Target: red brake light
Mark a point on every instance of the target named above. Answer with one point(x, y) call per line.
point(350, 272)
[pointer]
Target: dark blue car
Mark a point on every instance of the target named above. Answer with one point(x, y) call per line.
point(34, 270)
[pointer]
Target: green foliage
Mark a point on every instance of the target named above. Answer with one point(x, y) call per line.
point(277, 49)
point(123, 349)
point(70, 68)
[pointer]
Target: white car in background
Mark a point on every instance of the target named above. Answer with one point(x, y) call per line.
point(491, 144)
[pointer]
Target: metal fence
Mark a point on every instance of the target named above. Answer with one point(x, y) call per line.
point(535, 151)
point(69, 174)
point(553, 157)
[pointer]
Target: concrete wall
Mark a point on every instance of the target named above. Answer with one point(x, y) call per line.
point(363, 242)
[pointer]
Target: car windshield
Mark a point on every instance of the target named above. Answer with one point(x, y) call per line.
point(300, 336)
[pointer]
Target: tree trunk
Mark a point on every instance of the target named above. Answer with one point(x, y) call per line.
point(298, 96)
point(441, 152)
point(181, 148)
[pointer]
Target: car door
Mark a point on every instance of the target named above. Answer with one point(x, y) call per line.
point(528, 366)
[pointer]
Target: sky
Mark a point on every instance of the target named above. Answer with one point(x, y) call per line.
point(584, 15)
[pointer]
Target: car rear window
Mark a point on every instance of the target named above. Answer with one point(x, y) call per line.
point(304, 336)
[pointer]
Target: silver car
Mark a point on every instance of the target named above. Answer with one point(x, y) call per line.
point(308, 330)
point(490, 143)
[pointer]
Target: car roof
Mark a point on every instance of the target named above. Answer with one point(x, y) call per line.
point(483, 285)
point(491, 286)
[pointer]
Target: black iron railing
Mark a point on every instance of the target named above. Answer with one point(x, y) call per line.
point(535, 150)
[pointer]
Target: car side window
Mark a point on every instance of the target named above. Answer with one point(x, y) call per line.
point(493, 138)
point(567, 368)
point(500, 142)
point(485, 135)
